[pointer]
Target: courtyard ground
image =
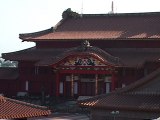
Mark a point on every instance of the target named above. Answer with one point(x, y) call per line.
point(63, 116)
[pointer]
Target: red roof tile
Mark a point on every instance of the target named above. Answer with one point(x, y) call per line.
point(102, 26)
point(32, 54)
point(2, 99)
point(10, 109)
point(125, 102)
point(126, 55)
point(90, 51)
point(82, 35)
point(139, 86)
point(133, 97)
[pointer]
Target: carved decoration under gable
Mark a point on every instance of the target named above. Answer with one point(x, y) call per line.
point(82, 61)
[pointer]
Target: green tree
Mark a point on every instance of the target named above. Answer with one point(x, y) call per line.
point(7, 63)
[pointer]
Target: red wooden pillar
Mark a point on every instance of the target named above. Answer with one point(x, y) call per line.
point(79, 86)
point(113, 79)
point(104, 87)
point(64, 88)
point(96, 84)
point(57, 84)
point(72, 85)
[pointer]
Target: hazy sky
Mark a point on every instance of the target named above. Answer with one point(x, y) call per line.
point(23, 16)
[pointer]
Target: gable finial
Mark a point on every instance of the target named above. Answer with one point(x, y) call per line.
point(85, 45)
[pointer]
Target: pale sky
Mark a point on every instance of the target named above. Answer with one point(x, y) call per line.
point(25, 16)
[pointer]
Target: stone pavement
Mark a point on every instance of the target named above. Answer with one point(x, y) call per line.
point(64, 116)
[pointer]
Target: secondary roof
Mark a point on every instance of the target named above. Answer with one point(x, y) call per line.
point(142, 95)
point(10, 109)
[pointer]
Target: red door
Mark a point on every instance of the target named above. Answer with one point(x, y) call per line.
point(87, 88)
point(68, 89)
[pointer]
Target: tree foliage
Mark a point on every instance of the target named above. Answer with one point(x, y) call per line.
point(7, 63)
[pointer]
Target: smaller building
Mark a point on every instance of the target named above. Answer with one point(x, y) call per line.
point(9, 82)
point(140, 100)
point(14, 109)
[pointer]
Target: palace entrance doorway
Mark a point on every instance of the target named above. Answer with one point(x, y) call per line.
point(75, 85)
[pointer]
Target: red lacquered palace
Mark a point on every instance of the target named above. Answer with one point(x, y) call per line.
point(86, 55)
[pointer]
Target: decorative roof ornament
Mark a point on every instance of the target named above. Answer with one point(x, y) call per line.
point(68, 13)
point(85, 45)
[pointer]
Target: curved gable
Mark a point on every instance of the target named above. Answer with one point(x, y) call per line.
point(84, 60)
point(84, 55)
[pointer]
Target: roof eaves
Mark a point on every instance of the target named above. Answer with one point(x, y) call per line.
point(27, 36)
point(90, 39)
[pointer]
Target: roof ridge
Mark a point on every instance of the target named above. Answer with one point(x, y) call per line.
point(58, 24)
point(110, 57)
point(123, 14)
point(69, 13)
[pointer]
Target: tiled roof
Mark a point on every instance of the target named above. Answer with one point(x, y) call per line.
point(81, 35)
point(139, 87)
point(2, 99)
point(135, 57)
point(126, 55)
point(132, 97)
point(94, 51)
point(10, 109)
point(32, 54)
point(8, 73)
point(126, 102)
point(51, 56)
point(102, 26)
